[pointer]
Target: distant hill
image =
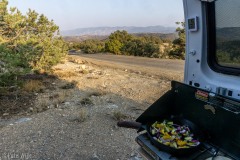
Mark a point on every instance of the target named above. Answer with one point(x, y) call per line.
point(103, 31)
point(228, 33)
point(83, 38)
point(167, 36)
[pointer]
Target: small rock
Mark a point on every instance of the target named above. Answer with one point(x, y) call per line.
point(31, 109)
point(95, 157)
point(112, 106)
point(83, 66)
point(67, 103)
point(51, 106)
point(136, 158)
point(21, 120)
point(6, 114)
point(132, 154)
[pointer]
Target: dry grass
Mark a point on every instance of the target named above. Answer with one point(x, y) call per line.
point(92, 77)
point(70, 85)
point(82, 116)
point(62, 96)
point(33, 86)
point(84, 71)
point(65, 74)
point(97, 93)
point(3, 90)
point(86, 101)
point(43, 102)
point(77, 61)
point(57, 69)
point(118, 115)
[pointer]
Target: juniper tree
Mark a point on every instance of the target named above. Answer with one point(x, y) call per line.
point(28, 42)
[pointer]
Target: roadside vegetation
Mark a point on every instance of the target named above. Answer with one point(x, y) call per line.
point(30, 47)
point(145, 45)
point(29, 43)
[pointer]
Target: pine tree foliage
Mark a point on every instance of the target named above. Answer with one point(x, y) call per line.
point(179, 43)
point(27, 42)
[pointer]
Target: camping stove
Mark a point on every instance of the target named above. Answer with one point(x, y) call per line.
point(205, 152)
point(217, 117)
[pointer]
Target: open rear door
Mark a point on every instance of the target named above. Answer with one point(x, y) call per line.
point(213, 46)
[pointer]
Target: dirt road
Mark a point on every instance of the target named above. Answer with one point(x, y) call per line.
point(163, 64)
point(165, 68)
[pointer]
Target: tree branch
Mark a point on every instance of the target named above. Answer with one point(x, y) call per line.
point(12, 39)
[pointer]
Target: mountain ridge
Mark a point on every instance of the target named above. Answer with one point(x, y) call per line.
point(108, 30)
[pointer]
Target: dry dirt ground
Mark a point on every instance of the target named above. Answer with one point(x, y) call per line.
point(74, 116)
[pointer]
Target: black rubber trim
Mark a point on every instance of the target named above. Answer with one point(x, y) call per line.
point(211, 42)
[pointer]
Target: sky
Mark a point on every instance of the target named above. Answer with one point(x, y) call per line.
point(72, 14)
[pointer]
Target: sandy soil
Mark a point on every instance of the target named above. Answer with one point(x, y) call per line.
point(74, 116)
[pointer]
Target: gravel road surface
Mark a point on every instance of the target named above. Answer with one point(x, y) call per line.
point(165, 68)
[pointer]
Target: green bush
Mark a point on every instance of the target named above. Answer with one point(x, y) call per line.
point(137, 47)
point(145, 45)
point(92, 46)
point(179, 43)
point(27, 42)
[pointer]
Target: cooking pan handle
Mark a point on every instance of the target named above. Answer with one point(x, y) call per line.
point(129, 124)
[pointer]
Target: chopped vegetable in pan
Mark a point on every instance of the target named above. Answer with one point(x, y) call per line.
point(173, 135)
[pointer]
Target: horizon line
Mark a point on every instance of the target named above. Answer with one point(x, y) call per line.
point(117, 27)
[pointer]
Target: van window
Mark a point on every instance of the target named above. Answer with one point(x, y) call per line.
point(224, 35)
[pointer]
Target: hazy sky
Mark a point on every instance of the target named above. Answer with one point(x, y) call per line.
point(71, 14)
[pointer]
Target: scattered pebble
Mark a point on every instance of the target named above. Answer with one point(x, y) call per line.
point(95, 157)
point(21, 120)
point(5, 114)
point(83, 66)
point(67, 103)
point(112, 106)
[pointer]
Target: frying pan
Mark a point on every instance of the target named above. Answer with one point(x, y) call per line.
point(176, 120)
